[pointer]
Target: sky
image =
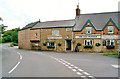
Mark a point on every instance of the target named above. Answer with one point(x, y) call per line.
point(18, 13)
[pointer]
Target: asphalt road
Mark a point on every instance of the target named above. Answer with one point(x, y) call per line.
point(28, 63)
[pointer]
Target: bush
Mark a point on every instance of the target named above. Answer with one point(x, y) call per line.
point(14, 44)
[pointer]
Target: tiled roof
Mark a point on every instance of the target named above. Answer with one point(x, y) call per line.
point(30, 25)
point(99, 20)
point(54, 24)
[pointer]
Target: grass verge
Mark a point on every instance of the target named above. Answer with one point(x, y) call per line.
point(113, 54)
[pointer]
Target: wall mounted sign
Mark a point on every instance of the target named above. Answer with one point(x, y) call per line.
point(55, 37)
point(110, 36)
point(88, 36)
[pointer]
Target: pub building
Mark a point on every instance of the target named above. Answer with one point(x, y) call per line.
point(96, 32)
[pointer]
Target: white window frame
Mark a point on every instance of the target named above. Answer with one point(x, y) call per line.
point(110, 28)
point(49, 44)
point(86, 42)
point(90, 31)
point(111, 42)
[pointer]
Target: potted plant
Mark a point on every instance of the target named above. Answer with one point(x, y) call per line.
point(45, 43)
point(88, 46)
point(59, 44)
point(78, 44)
point(97, 44)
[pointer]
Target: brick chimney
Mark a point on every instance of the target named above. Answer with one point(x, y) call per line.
point(77, 11)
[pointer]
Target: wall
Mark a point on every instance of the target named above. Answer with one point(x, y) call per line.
point(24, 39)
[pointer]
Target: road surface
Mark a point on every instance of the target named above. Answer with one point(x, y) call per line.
point(29, 63)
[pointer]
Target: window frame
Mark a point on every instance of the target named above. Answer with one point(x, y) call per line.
point(51, 44)
point(88, 31)
point(88, 42)
point(110, 29)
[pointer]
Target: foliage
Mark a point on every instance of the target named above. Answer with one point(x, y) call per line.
point(15, 44)
point(115, 54)
point(10, 36)
point(110, 47)
point(97, 44)
point(78, 44)
point(59, 44)
point(88, 46)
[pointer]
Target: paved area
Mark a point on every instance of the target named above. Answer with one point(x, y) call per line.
point(28, 63)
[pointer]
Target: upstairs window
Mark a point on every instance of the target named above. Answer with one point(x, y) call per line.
point(36, 35)
point(88, 30)
point(110, 29)
point(55, 33)
point(87, 42)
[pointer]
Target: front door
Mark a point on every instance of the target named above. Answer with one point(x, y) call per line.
point(68, 44)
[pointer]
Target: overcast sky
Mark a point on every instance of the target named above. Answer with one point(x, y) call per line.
point(18, 13)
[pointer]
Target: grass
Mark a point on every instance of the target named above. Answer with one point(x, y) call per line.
point(113, 54)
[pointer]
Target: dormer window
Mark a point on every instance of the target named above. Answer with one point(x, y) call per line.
point(88, 30)
point(110, 29)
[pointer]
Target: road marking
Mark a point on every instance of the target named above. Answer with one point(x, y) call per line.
point(69, 67)
point(75, 67)
point(116, 66)
point(20, 57)
point(14, 68)
point(78, 73)
point(80, 69)
point(74, 70)
point(86, 73)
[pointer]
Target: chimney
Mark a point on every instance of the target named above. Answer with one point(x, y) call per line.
point(78, 11)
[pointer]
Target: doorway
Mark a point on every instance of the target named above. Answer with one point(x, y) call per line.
point(68, 44)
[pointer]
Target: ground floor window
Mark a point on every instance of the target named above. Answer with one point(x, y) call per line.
point(110, 42)
point(87, 42)
point(104, 42)
point(51, 45)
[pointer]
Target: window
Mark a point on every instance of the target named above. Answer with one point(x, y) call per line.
point(88, 42)
point(110, 42)
point(110, 29)
point(55, 33)
point(104, 42)
point(88, 30)
point(68, 29)
point(36, 35)
point(50, 45)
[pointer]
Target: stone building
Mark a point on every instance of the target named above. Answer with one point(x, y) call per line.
point(96, 32)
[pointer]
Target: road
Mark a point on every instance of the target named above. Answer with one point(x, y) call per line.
point(29, 63)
